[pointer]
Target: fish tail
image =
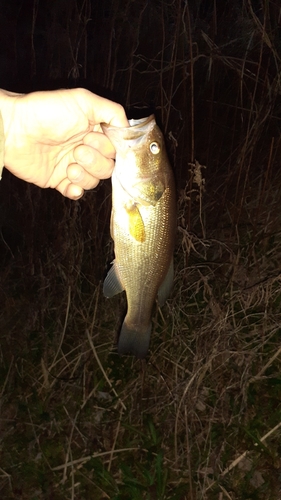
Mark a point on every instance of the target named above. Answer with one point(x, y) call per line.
point(134, 340)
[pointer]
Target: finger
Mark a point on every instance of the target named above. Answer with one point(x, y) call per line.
point(69, 190)
point(99, 141)
point(93, 161)
point(74, 192)
point(110, 112)
point(78, 175)
point(100, 110)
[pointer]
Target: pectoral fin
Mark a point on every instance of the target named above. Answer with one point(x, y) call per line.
point(165, 288)
point(112, 284)
point(136, 225)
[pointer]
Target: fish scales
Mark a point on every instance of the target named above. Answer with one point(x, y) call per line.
point(143, 223)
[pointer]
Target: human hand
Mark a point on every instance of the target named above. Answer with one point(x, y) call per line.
point(54, 138)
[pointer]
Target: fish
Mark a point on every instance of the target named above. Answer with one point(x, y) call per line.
point(142, 226)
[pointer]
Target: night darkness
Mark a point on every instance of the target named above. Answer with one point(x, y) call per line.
point(210, 71)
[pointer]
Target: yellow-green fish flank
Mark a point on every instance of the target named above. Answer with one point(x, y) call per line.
point(143, 222)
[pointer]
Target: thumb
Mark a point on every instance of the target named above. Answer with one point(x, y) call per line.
point(101, 110)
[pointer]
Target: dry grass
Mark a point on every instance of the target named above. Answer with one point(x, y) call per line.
point(200, 418)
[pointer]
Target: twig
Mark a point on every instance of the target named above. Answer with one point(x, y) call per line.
point(63, 331)
point(102, 369)
point(241, 457)
point(86, 459)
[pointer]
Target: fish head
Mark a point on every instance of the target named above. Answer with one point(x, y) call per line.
point(140, 158)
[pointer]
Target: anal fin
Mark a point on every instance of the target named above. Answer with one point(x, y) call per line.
point(166, 286)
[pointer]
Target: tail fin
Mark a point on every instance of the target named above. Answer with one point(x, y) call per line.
point(133, 341)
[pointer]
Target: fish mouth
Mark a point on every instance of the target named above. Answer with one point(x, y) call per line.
point(134, 135)
point(141, 122)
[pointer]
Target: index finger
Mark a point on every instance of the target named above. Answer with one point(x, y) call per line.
point(103, 110)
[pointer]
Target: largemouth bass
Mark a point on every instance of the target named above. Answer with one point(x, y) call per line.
point(143, 222)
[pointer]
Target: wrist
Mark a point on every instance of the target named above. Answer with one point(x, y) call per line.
point(7, 101)
point(3, 99)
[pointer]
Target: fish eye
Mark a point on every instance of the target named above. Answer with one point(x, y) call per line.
point(154, 147)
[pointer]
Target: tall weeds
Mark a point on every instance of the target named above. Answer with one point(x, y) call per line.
point(200, 419)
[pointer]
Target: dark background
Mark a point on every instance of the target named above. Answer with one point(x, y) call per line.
point(209, 71)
